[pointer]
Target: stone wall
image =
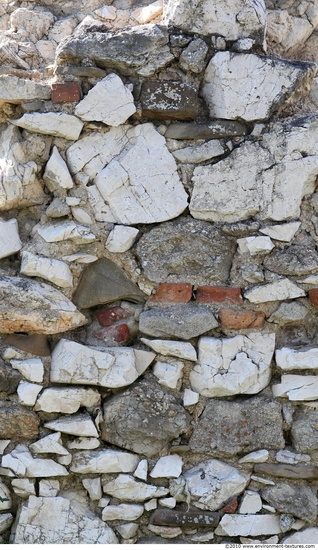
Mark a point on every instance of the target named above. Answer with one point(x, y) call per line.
point(158, 272)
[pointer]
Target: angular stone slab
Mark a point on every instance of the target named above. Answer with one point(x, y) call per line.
point(103, 282)
point(230, 427)
point(77, 424)
point(66, 400)
point(283, 289)
point(287, 470)
point(169, 100)
point(300, 501)
point(292, 261)
point(297, 387)
point(183, 321)
point(55, 124)
point(304, 432)
point(73, 363)
point(130, 52)
point(248, 525)
point(14, 89)
point(22, 463)
point(307, 536)
point(30, 306)
point(216, 129)
point(18, 423)
point(162, 516)
point(105, 461)
point(297, 359)
point(125, 487)
point(146, 400)
point(239, 365)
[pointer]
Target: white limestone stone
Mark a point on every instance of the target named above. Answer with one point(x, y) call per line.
point(311, 280)
point(103, 502)
point(80, 424)
point(247, 86)
point(183, 350)
point(169, 502)
point(52, 270)
point(10, 242)
point(60, 520)
point(31, 369)
point(129, 512)
point(255, 245)
point(248, 525)
point(255, 457)
point(74, 363)
point(3, 445)
point(151, 504)
point(251, 503)
point(165, 532)
point(297, 387)
point(232, 19)
point(109, 101)
point(167, 466)
point(289, 31)
point(106, 12)
point(142, 470)
point(12, 353)
point(22, 463)
point(5, 497)
point(6, 521)
point(81, 258)
point(125, 487)
point(56, 174)
point(86, 443)
point(269, 508)
point(190, 398)
point(284, 232)
point(200, 153)
point(104, 461)
point(101, 210)
point(239, 365)
point(65, 460)
point(288, 457)
point(81, 216)
point(23, 487)
point(127, 530)
point(295, 359)
point(168, 373)
point(14, 89)
point(67, 400)
point(54, 124)
point(282, 289)
point(140, 192)
point(28, 392)
point(49, 487)
point(307, 536)
point(72, 201)
point(121, 238)
point(147, 13)
point(51, 444)
point(63, 231)
point(94, 487)
point(262, 480)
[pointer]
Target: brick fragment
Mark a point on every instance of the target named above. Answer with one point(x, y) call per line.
point(173, 293)
point(219, 295)
point(119, 333)
point(230, 507)
point(111, 315)
point(63, 92)
point(313, 296)
point(237, 320)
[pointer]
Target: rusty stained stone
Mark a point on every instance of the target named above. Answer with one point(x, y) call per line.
point(18, 423)
point(191, 518)
point(287, 470)
point(238, 320)
point(169, 100)
point(37, 344)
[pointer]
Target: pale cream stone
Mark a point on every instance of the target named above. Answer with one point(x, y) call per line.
point(255, 245)
point(106, 12)
point(103, 461)
point(168, 373)
point(284, 232)
point(49, 487)
point(297, 387)
point(255, 457)
point(31, 369)
point(50, 444)
point(251, 503)
point(81, 258)
point(22, 463)
point(56, 174)
point(81, 216)
point(67, 400)
point(3, 445)
point(63, 231)
point(148, 13)
point(23, 487)
point(121, 238)
point(86, 443)
point(129, 512)
point(80, 424)
point(10, 242)
point(190, 398)
point(28, 392)
point(127, 530)
point(5, 497)
point(125, 487)
point(55, 124)
point(169, 502)
point(282, 289)
point(50, 269)
point(183, 350)
point(235, 525)
point(151, 504)
point(297, 359)
point(200, 153)
point(94, 487)
point(167, 466)
point(142, 470)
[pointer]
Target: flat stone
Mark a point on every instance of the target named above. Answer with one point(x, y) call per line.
point(181, 321)
point(284, 232)
point(9, 238)
point(288, 457)
point(84, 443)
point(9, 379)
point(164, 418)
point(297, 500)
point(215, 129)
point(18, 423)
point(14, 89)
point(50, 444)
point(297, 359)
point(189, 519)
point(256, 457)
point(57, 209)
point(294, 260)
point(168, 467)
point(121, 238)
point(93, 487)
point(282, 289)
point(271, 82)
point(231, 19)
point(80, 424)
point(165, 532)
point(56, 174)
point(169, 502)
point(255, 245)
point(239, 365)
point(169, 100)
point(297, 387)
point(127, 530)
point(71, 522)
point(36, 344)
point(67, 400)
point(31, 369)
point(104, 461)
point(251, 503)
point(192, 58)
point(307, 536)
point(168, 373)
point(22, 463)
point(63, 231)
point(49, 488)
point(125, 487)
point(130, 52)
point(109, 101)
point(28, 393)
point(304, 430)
point(128, 512)
point(190, 398)
point(186, 246)
point(292, 312)
point(31, 306)
point(289, 471)
point(247, 525)
point(230, 427)
point(238, 320)
point(200, 153)
point(55, 124)
point(73, 363)
point(50, 269)
point(184, 350)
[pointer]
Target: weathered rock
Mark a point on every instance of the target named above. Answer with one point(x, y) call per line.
point(186, 246)
point(142, 470)
point(28, 393)
point(292, 312)
point(105, 461)
point(216, 129)
point(71, 522)
point(192, 58)
point(128, 512)
point(164, 419)
point(182, 321)
point(257, 456)
point(251, 503)
point(67, 400)
point(147, 13)
point(300, 501)
point(48, 488)
point(131, 52)
point(288, 457)
point(109, 101)
point(30, 306)
point(50, 444)
point(304, 430)
point(283, 289)
point(127, 530)
point(270, 81)
point(55, 124)
point(74, 363)
point(22, 463)
point(237, 320)
point(93, 487)
point(188, 519)
point(284, 232)
point(230, 427)
point(294, 260)
point(184, 350)
point(80, 424)
point(255, 245)
point(18, 423)
point(36, 344)
point(104, 282)
point(248, 525)
point(167, 466)
point(306, 536)
point(297, 387)
point(5, 497)
point(9, 238)
point(63, 231)
point(233, 366)
point(289, 471)
point(84, 443)
point(297, 359)
point(231, 19)
point(14, 89)
point(168, 373)
point(201, 153)
point(121, 238)
point(6, 521)
point(31, 369)
point(52, 270)
point(23, 487)
point(169, 100)
point(125, 487)
point(9, 379)
point(56, 175)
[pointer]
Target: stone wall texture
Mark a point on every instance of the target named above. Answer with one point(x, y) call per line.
point(158, 272)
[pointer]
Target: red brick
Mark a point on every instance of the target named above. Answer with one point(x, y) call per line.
point(111, 315)
point(119, 333)
point(218, 294)
point(63, 92)
point(313, 296)
point(230, 507)
point(174, 293)
point(237, 320)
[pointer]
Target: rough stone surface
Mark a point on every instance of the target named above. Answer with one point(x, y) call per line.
point(182, 321)
point(121, 238)
point(66, 400)
point(292, 312)
point(184, 350)
point(22, 463)
point(167, 466)
point(304, 431)
point(52, 270)
point(80, 424)
point(299, 471)
point(128, 512)
point(65, 230)
point(282, 289)
point(307, 536)
point(169, 100)
point(125, 487)
point(247, 525)
point(18, 423)
point(255, 245)
point(105, 461)
point(284, 232)
point(56, 124)
point(297, 387)
point(9, 238)
point(238, 320)
point(229, 427)
point(292, 499)
point(193, 56)
point(297, 359)
point(56, 175)
point(168, 373)
point(294, 260)
point(216, 129)
point(9, 379)
point(200, 153)
point(164, 418)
